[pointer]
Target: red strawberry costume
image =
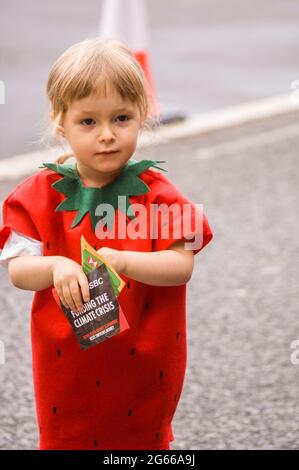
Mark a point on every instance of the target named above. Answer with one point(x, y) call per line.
point(122, 393)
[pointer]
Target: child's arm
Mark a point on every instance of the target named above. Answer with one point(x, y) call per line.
point(32, 272)
point(40, 272)
point(171, 267)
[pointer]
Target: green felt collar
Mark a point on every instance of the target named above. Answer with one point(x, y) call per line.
point(86, 200)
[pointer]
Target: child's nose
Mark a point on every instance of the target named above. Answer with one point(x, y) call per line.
point(106, 135)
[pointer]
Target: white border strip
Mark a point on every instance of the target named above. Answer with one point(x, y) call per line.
point(27, 163)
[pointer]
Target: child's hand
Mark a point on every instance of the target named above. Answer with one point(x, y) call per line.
point(68, 277)
point(115, 257)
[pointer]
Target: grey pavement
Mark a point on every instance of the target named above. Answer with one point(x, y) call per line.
point(205, 55)
point(241, 389)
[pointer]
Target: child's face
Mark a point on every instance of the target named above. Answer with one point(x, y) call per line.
point(97, 124)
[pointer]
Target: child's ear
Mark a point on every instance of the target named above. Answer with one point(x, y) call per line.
point(60, 130)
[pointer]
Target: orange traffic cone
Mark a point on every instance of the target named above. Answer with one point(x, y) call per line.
point(126, 20)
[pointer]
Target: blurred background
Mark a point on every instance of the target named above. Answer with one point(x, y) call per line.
point(205, 54)
point(241, 386)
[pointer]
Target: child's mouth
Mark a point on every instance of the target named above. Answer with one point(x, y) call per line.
point(107, 152)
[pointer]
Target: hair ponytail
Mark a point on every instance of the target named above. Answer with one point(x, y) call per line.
point(62, 158)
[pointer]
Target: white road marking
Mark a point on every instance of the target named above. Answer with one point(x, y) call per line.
point(246, 142)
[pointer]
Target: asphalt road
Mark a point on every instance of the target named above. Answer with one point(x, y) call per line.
point(241, 389)
point(205, 55)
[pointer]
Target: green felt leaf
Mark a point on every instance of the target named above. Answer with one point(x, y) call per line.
point(86, 200)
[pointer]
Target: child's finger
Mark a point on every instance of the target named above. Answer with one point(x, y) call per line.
point(83, 281)
point(68, 297)
point(76, 294)
point(61, 297)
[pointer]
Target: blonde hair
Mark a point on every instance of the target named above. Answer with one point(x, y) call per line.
point(97, 66)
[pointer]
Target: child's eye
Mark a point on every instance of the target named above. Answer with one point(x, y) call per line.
point(123, 118)
point(87, 122)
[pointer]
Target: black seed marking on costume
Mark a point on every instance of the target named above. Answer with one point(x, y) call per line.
point(130, 412)
point(177, 335)
point(95, 443)
point(147, 305)
point(161, 374)
point(48, 245)
point(175, 397)
point(58, 352)
point(128, 284)
point(133, 351)
point(54, 410)
point(157, 435)
point(98, 383)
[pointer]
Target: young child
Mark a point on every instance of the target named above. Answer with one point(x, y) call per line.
point(123, 392)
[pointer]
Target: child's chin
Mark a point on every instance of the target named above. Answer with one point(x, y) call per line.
point(108, 166)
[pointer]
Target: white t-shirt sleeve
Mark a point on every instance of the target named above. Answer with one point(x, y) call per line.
point(18, 244)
